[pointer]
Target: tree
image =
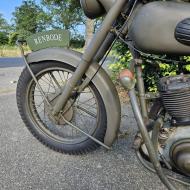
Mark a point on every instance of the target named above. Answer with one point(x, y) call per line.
point(3, 23)
point(89, 31)
point(29, 18)
point(18, 35)
point(13, 38)
point(65, 14)
point(4, 29)
point(68, 15)
point(4, 26)
point(3, 38)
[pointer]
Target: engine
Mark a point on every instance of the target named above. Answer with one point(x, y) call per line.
point(174, 138)
point(175, 92)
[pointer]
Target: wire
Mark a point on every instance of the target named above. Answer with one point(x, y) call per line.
point(117, 37)
point(148, 55)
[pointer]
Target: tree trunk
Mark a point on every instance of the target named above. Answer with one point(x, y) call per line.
point(89, 32)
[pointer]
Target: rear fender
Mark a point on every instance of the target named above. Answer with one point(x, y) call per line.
point(102, 82)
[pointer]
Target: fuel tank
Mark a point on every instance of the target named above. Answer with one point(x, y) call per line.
point(162, 28)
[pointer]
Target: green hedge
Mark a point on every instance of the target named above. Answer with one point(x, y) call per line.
point(152, 71)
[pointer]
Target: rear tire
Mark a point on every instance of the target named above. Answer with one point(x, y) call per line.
point(53, 135)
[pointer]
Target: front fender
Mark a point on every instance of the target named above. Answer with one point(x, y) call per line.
point(102, 82)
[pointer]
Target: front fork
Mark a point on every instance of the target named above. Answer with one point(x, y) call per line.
point(88, 55)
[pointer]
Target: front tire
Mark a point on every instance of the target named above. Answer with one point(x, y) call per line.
point(52, 76)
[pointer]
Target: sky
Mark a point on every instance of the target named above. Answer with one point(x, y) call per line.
point(8, 6)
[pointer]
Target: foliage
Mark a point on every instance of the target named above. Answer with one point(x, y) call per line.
point(3, 38)
point(187, 67)
point(4, 26)
point(152, 71)
point(65, 14)
point(77, 42)
point(29, 18)
point(122, 62)
point(12, 38)
point(3, 22)
point(21, 34)
point(68, 15)
point(123, 58)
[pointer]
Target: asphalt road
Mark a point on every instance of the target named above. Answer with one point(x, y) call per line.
point(26, 164)
point(10, 69)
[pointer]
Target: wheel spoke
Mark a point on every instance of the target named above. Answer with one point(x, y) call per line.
point(49, 74)
point(86, 111)
point(61, 77)
point(48, 83)
point(88, 105)
point(55, 80)
point(86, 101)
point(84, 108)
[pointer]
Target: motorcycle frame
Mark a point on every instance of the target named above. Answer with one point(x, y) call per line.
point(93, 54)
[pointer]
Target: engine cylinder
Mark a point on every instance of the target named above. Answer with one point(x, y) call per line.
point(175, 93)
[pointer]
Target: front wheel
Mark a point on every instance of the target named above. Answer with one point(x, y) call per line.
point(85, 110)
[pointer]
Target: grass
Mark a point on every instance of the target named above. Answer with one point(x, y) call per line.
point(13, 51)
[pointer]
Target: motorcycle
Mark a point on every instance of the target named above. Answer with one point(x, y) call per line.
point(69, 103)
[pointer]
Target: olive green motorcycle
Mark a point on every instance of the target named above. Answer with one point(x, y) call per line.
point(69, 103)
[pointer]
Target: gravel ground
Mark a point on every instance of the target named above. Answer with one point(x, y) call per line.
point(26, 164)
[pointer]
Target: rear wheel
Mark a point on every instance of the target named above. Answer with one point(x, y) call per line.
point(85, 110)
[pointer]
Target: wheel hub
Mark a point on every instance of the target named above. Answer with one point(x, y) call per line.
point(66, 113)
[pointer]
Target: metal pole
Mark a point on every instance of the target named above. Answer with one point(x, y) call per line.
point(141, 91)
point(151, 151)
point(31, 73)
point(90, 136)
